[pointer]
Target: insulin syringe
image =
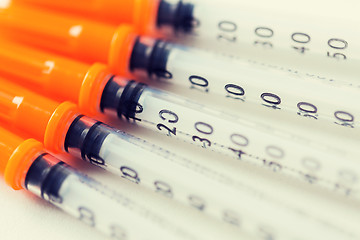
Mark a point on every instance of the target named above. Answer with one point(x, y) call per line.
point(316, 41)
point(63, 129)
point(26, 165)
point(96, 90)
point(304, 37)
point(242, 82)
point(220, 78)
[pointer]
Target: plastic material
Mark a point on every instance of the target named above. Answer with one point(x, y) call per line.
point(78, 38)
point(20, 161)
point(54, 76)
point(40, 70)
point(25, 164)
point(8, 144)
point(141, 13)
point(16, 156)
point(41, 117)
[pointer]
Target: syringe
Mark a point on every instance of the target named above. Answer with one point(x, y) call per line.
point(244, 83)
point(26, 165)
point(95, 89)
point(275, 31)
point(126, 52)
point(141, 13)
point(65, 130)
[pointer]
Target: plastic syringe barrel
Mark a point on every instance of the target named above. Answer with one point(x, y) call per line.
point(54, 76)
point(92, 87)
point(60, 126)
point(146, 15)
point(119, 47)
point(26, 165)
point(42, 118)
point(77, 38)
point(41, 71)
point(141, 13)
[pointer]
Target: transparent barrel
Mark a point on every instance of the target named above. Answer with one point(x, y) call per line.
point(242, 82)
point(198, 185)
point(117, 215)
point(235, 136)
point(303, 37)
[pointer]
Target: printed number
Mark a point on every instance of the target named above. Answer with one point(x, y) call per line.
point(241, 141)
point(264, 32)
point(307, 110)
point(275, 152)
point(163, 188)
point(231, 39)
point(311, 164)
point(199, 83)
point(134, 109)
point(170, 131)
point(130, 174)
point(206, 129)
point(235, 92)
point(206, 142)
point(300, 38)
point(301, 50)
point(87, 216)
point(228, 29)
point(227, 26)
point(272, 101)
point(337, 44)
point(170, 117)
point(337, 56)
point(238, 152)
point(264, 44)
point(346, 119)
